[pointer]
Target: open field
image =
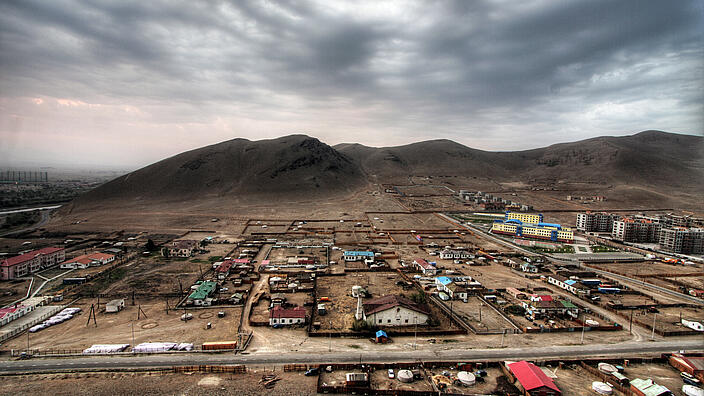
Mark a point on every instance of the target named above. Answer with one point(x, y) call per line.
point(13, 291)
point(114, 328)
point(660, 274)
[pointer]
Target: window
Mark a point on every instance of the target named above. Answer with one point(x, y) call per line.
point(380, 321)
point(388, 320)
point(406, 320)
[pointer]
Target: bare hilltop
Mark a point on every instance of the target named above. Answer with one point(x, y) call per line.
point(306, 167)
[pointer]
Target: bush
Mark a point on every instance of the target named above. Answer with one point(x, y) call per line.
point(418, 297)
point(515, 310)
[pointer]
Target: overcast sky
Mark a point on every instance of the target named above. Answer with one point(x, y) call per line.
point(129, 83)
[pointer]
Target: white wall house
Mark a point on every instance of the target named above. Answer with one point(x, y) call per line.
point(394, 311)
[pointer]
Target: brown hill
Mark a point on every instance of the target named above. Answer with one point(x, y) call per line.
point(235, 169)
point(303, 167)
point(650, 158)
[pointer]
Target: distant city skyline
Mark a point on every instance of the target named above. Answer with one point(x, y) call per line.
point(125, 84)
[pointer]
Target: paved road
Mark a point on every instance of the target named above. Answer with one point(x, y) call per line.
point(648, 285)
point(149, 361)
point(45, 217)
point(561, 260)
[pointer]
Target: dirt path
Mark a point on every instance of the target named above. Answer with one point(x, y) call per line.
point(256, 290)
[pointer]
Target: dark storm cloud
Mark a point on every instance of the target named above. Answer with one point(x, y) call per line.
point(475, 71)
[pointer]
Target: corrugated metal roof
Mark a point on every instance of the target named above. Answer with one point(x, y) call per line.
point(531, 377)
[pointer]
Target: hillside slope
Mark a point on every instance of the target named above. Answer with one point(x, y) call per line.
point(663, 159)
point(238, 168)
point(301, 167)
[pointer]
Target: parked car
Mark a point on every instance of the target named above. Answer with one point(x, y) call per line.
point(391, 374)
point(277, 326)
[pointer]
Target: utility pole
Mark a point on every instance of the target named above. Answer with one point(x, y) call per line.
point(132, 325)
point(480, 311)
point(652, 337)
point(630, 324)
point(583, 327)
point(27, 342)
point(330, 338)
point(451, 316)
point(415, 332)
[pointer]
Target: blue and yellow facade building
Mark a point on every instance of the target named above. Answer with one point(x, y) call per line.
point(531, 225)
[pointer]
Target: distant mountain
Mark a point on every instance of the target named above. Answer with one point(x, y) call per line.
point(302, 166)
point(648, 158)
point(295, 164)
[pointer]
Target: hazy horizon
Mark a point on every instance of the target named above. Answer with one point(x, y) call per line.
point(122, 85)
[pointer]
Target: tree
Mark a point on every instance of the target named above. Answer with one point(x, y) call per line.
point(150, 245)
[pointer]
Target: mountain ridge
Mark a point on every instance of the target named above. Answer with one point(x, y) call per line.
point(305, 167)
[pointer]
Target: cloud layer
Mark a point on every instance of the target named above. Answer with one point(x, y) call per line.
point(131, 82)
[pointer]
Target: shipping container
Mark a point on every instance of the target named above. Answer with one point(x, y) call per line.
point(219, 345)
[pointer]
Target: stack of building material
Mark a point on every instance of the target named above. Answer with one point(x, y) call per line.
point(105, 348)
point(154, 347)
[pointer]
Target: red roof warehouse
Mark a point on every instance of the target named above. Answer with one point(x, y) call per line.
point(533, 380)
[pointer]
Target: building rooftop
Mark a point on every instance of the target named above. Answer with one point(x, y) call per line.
point(204, 290)
point(358, 253)
point(531, 377)
point(28, 256)
point(387, 302)
point(278, 312)
point(444, 280)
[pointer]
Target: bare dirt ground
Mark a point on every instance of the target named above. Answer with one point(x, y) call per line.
point(338, 289)
point(573, 380)
point(291, 383)
point(116, 328)
point(662, 373)
point(658, 268)
point(14, 290)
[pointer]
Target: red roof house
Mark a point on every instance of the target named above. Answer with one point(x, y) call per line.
point(533, 380)
point(283, 316)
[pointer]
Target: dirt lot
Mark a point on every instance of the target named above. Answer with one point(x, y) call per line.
point(489, 386)
point(13, 290)
point(157, 274)
point(491, 320)
point(573, 380)
point(116, 327)
point(668, 319)
point(380, 380)
point(399, 221)
point(662, 373)
point(441, 203)
point(342, 307)
point(109, 384)
point(655, 268)
point(280, 255)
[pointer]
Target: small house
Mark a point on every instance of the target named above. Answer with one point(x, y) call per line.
point(426, 268)
point(116, 305)
point(282, 316)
